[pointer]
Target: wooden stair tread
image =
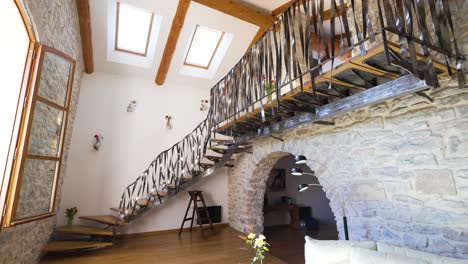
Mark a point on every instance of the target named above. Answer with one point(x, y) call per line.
point(58, 246)
point(218, 149)
point(130, 212)
point(161, 193)
point(104, 219)
point(142, 202)
point(186, 178)
point(222, 141)
point(83, 230)
point(213, 157)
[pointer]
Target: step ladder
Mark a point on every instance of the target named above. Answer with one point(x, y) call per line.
point(195, 197)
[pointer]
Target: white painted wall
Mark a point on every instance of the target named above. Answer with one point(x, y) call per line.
point(95, 180)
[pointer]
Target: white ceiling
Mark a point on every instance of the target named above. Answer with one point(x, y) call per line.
point(265, 5)
point(242, 34)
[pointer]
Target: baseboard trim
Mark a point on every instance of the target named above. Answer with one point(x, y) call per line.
point(164, 232)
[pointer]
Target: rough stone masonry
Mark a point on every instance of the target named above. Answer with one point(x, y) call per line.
point(56, 25)
point(398, 170)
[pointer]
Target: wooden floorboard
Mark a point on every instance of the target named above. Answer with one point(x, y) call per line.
point(222, 247)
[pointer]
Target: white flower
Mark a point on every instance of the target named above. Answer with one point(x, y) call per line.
point(259, 242)
point(251, 236)
point(262, 237)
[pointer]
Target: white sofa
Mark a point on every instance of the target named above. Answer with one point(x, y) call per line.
point(367, 252)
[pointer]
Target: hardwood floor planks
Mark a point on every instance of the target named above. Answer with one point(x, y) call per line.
point(222, 247)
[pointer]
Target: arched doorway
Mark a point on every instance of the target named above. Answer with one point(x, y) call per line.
point(289, 215)
point(247, 187)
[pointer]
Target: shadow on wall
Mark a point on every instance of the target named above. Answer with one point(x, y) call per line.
point(282, 189)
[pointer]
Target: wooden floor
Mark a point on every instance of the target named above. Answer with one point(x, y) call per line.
point(223, 247)
point(287, 244)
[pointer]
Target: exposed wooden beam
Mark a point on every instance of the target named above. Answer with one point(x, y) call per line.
point(326, 14)
point(282, 8)
point(177, 24)
point(259, 34)
point(84, 17)
point(240, 11)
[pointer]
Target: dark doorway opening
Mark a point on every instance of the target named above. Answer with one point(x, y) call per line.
point(290, 215)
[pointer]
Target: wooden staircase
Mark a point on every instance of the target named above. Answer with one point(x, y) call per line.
point(81, 237)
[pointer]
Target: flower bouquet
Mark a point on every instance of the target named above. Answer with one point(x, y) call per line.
point(259, 245)
point(70, 213)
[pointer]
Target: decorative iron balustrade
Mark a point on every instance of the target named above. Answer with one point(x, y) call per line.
point(165, 173)
point(285, 54)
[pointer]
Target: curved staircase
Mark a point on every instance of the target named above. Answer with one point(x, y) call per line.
point(139, 200)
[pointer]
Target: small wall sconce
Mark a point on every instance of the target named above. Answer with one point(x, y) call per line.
point(300, 159)
point(168, 122)
point(304, 186)
point(97, 141)
point(299, 172)
point(131, 106)
point(203, 106)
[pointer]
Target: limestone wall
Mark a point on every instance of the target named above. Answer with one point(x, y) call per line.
point(399, 171)
point(56, 24)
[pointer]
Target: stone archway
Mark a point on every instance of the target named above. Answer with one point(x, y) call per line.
point(247, 186)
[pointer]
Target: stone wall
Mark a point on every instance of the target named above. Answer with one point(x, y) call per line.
point(56, 25)
point(399, 171)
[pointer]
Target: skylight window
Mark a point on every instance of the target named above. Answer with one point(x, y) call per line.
point(203, 47)
point(133, 29)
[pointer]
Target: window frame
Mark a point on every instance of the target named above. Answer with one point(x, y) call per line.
point(14, 187)
point(212, 55)
point(18, 122)
point(148, 37)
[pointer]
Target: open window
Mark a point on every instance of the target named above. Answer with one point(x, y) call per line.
point(36, 88)
point(133, 29)
point(36, 168)
point(16, 51)
point(203, 47)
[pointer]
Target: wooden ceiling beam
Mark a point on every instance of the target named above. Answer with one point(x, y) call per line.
point(282, 8)
point(84, 18)
point(177, 24)
point(240, 11)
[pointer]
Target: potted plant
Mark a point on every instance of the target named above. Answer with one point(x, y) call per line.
point(70, 213)
point(269, 87)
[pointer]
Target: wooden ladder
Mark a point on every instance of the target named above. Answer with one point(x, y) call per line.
point(195, 197)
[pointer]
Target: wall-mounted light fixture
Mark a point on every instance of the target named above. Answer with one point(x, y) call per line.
point(131, 106)
point(299, 172)
point(300, 159)
point(304, 186)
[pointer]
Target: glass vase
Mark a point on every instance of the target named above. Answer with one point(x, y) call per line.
point(69, 221)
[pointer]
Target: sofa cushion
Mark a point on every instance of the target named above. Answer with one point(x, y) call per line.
point(332, 251)
point(366, 256)
point(431, 258)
